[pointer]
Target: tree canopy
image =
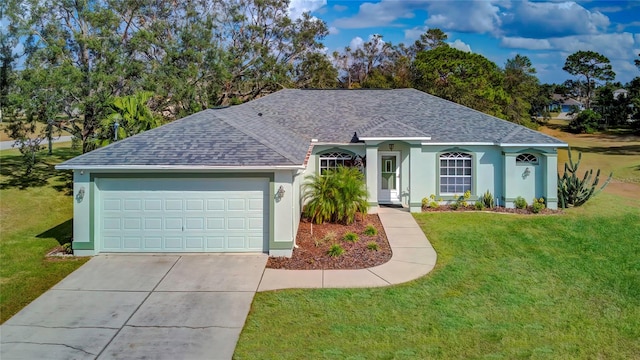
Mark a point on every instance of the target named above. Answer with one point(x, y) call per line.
point(591, 66)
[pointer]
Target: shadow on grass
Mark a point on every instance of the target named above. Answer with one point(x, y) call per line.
point(12, 170)
point(62, 232)
point(609, 150)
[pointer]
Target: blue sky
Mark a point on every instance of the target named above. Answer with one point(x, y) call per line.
point(545, 31)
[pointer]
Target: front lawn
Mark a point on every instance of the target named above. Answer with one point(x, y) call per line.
point(35, 216)
point(505, 286)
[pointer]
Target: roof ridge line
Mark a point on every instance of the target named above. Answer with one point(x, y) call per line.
point(258, 139)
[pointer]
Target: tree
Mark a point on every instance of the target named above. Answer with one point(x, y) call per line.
point(637, 62)
point(614, 111)
point(315, 71)
point(592, 66)
point(130, 116)
point(522, 85)
point(431, 39)
point(467, 79)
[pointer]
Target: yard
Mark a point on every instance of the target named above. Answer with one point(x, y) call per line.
point(506, 286)
point(35, 216)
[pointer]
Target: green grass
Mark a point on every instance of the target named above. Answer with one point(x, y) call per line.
point(35, 216)
point(505, 287)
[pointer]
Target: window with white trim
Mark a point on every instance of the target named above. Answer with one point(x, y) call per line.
point(455, 173)
point(332, 160)
point(526, 159)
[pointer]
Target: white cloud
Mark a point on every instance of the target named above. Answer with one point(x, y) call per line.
point(525, 43)
point(333, 30)
point(298, 7)
point(480, 17)
point(613, 46)
point(460, 45)
point(356, 43)
point(378, 14)
point(547, 19)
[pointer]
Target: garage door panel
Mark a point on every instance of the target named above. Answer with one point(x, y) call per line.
point(111, 205)
point(195, 242)
point(173, 223)
point(215, 204)
point(215, 243)
point(173, 243)
point(132, 242)
point(132, 224)
point(133, 204)
point(236, 242)
point(194, 223)
point(193, 215)
point(152, 205)
point(173, 204)
point(153, 243)
point(236, 205)
point(112, 242)
point(216, 223)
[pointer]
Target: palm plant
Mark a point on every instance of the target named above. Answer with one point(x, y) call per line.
point(336, 196)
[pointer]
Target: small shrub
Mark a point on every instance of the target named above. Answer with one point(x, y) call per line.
point(487, 200)
point(329, 237)
point(434, 204)
point(425, 202)
point(67, 248)
point(479, 205)
point(350, 236)
point(520, 203)
point(537, 205)
point(335, 250)
point(370, 230)
point(372, 245)
point(454, 206)
point(587, 121)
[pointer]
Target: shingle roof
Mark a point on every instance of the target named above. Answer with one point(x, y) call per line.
point(276, 130)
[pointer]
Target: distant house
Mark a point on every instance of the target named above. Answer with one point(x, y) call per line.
point(232, 179)
point(564, 104)
point(617, 94)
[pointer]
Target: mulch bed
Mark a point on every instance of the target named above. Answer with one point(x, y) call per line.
point(311, 253)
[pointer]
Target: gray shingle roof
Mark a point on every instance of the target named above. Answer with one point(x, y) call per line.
point(277, 129)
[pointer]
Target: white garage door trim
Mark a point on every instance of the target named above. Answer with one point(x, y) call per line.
point(182, 215)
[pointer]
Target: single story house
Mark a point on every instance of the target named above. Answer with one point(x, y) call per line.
point(231, 179)
point(564, 104)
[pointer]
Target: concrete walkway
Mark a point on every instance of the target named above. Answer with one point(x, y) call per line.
point(413, 256)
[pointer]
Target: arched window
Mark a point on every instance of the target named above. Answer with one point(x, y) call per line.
point(455, 173)
point(332, 160)
point(526, 159)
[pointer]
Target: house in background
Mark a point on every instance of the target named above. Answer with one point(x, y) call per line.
point(620, 93)
point(231, 179)
point(563, 104)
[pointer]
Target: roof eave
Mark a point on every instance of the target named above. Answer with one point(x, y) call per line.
point(203, 168)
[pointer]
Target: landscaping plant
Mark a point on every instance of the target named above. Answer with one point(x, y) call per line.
point(372, 245)
point(336, 196)
point(335, 250)
point(487, 199)
point(350, 236)
point(520, 203)
point(537, 205)
point(571, 190)
point(370, 230)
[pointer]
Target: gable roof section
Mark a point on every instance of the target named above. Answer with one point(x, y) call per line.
point(277, 130)
point(201, 139)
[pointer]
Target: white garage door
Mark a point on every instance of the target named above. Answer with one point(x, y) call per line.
point(182, 215)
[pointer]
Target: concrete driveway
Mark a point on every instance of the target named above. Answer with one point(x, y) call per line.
point(139, 306)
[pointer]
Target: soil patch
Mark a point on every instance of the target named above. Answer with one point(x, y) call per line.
point(311, 253)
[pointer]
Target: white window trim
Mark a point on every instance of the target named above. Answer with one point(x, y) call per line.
point(527, 159)
point(456, 155)
point(338, 157)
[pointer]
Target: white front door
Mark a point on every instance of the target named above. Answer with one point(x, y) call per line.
point(389, 177)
